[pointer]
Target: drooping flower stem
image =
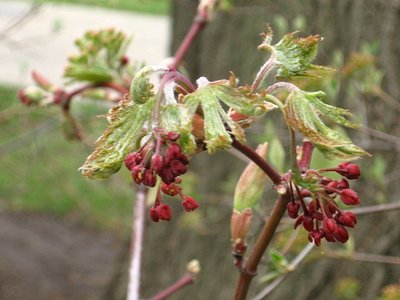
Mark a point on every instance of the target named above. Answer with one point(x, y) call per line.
point(259, 161)
point(137, 243)
point(260, 246)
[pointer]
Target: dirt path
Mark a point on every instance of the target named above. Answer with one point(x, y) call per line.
point(42, 257)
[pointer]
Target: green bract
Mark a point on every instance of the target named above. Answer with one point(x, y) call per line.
point(302, 112)
point(121, 137)
point(100, 56)
point(218, 125)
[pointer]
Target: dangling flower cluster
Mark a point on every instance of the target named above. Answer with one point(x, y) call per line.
point(168, 162)
point(322, 217)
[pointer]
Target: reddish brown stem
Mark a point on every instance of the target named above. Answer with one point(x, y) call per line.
point(260, 246)
point(259, 161)
point(110, 85)
point(199, 22)
point(186, 279)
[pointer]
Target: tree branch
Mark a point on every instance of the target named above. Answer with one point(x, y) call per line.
point(137, 243)
point(260, 246)
point(258, 160)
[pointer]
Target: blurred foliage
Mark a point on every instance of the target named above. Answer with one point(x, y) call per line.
point(348, 288)
point(390, 292)
point(160, 7)
point(42, 167)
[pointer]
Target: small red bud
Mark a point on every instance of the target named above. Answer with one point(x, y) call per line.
point(331, 186)
point(173, 136)
point(157, 162)
point(173, 150)
point(167, 175)
point(349, 197)
point(137, 174)
point(170, 189)
point(308, 223)
point(124, 60)
point(132, 160)
point(149, 178)
point(189, 204)
point(178, 168)
point(316, 236)
point(348, 219)
point(164, 212)
point(154, 214)
point(293, 209)
point(349, 170)
point(298, 221)
point(184, 159)
point(329, 225)
point(305, 193)
point(342, 184)
point(341, 234)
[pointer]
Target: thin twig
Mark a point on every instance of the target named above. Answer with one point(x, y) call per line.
point(137, 243)
point(376, 208)
point(258, 160)
point(292, 266)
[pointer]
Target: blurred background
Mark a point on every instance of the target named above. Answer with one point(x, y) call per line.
point(64, 237)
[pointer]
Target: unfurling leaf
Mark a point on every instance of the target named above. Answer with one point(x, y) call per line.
point(293, 55)
point(121, 137)
point(141, 89)
point(218, 125)
point(302, 112)
point(99, 58)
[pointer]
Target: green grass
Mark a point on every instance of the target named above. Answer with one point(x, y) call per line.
point(160, 7)
point(39, 167)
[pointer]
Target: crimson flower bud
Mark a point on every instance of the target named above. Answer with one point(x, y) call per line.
point(329, 225)
point(189, 204)
point(293, 209)
point(308, 223)
point(342, 184)
point(137, 174)
point(157, 162)
point(341, 234)
point(164, 212)
point(348, 219)
point(330, 237)
point(349, 197)
point(170, 189)
point(177, 167)
point(315, 235)
point(298, 221)
point(154, 214)
point(184, 159)
point(124, 60)
point(331, 186)
point(173, 136)
point(173, 150)
point(149, 178)
point(349, 170)
point(167, 175)
point(132, 160)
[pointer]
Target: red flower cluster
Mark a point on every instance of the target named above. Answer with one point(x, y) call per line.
point(322, 217)
point(169, 162)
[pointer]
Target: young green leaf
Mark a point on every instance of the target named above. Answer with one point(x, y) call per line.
point(303, 111)
point(121, 137)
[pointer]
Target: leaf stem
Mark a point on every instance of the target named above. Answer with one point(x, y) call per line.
point(264, 70)
point(186, 279)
